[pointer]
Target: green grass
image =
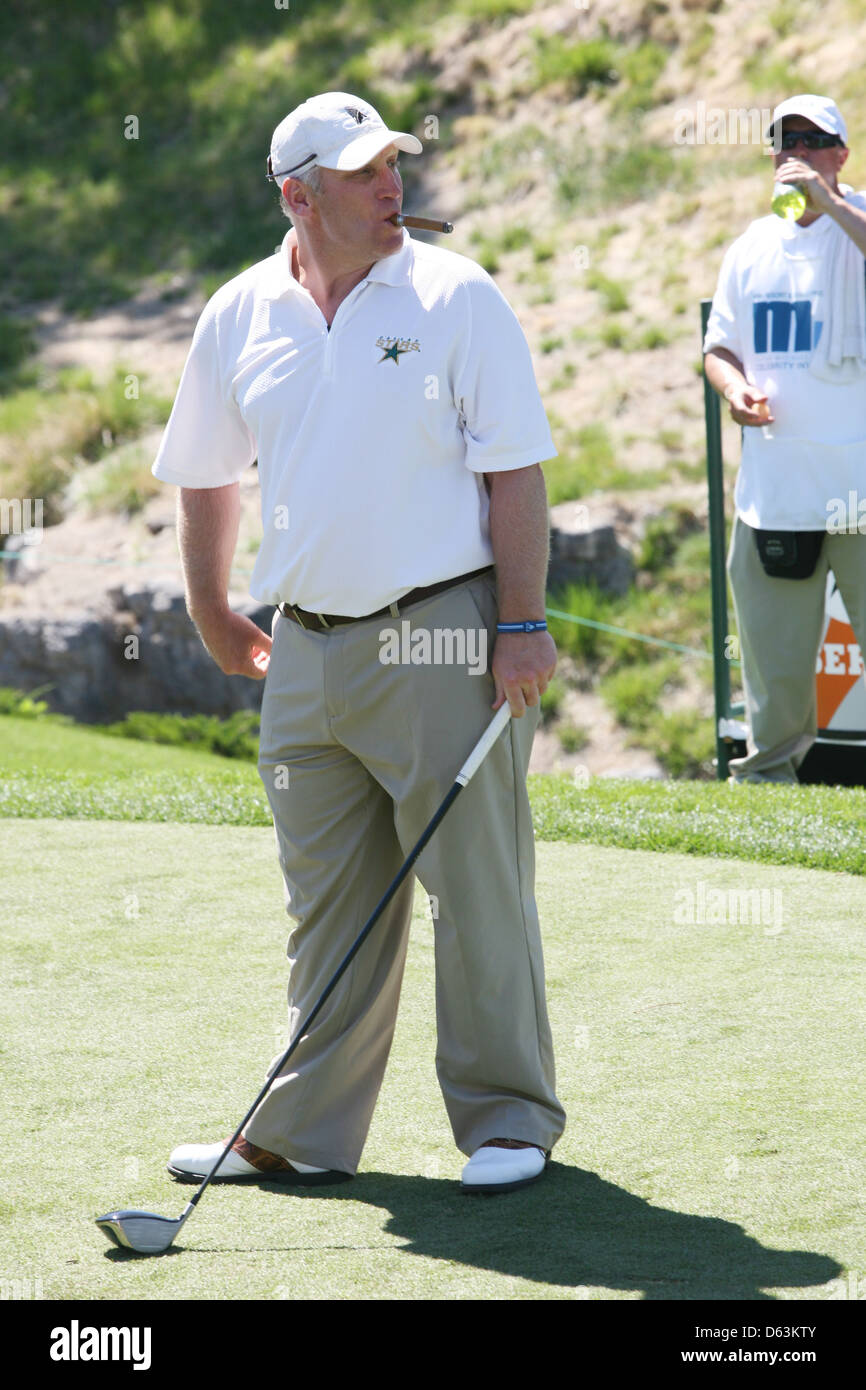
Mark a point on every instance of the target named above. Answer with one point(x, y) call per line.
point(234, 737)
point(673, 607)
point(768, 74)
point(613, 335)
point(578, 66)
point(52, 772)
point(17, 344)
point(682, 740)
point(543, 251)
point(712, 1150)
point(612, 292)
point(641, 68)
point(785, 17)
point(123, 485)
point(604, 176)
point(34, 734)
point(588, 460)
point(588, 456)
point(652, 337)
point(552, 698)
point(665, 532)
point(493, 9)
point(66, 420)
point(572, 737)
point(700, 42)
point(207, 84)
point(620, 172)
point(564, 378)
point(515, 237)
point(633, 692)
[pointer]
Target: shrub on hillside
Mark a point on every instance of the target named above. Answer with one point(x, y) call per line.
point(235, 737)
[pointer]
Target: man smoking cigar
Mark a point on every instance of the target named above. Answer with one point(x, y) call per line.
point(386, 389)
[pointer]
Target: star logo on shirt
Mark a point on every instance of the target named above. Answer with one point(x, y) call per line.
point(392, 354)
point(392, 348)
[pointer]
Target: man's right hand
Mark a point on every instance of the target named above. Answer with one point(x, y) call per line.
point(237, 645)
point(748, 405)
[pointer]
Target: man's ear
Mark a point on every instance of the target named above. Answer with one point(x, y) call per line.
point(295, 194)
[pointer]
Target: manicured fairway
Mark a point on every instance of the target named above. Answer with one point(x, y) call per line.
point(712, 1076)
point(60, 772)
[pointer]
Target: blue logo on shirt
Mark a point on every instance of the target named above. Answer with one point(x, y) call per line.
point(773, 320)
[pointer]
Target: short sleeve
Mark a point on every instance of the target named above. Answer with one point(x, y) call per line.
point(722, 326)
point(205, 443)
point(503, 420)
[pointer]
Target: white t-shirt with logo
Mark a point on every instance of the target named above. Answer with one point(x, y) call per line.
point(769, 310)
point(372, 438)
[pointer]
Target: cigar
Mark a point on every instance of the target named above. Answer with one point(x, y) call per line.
point(423, 224)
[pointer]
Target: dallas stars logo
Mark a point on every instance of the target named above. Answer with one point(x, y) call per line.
point(393, 348)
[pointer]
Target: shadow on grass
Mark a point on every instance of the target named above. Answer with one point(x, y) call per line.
point(574, 1230)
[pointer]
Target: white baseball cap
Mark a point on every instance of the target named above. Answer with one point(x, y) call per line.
point(823, 113)
point(335, 130)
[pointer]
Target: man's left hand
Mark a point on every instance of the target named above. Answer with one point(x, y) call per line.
point(523, 663)
point(819, 195)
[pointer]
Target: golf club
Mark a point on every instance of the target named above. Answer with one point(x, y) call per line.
point(150, 1234)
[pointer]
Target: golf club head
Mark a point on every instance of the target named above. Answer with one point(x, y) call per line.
point(143, 1231)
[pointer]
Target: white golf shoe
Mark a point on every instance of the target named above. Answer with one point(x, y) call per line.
point(502, 1165)
point(190, 1163)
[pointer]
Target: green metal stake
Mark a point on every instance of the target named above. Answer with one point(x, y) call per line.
point(718, 574)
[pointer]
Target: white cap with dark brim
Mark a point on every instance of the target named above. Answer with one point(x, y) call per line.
point(336, 131)
point(821, 111)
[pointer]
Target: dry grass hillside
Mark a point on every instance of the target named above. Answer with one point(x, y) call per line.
point(567, 143)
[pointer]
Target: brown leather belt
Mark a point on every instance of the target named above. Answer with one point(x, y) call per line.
point(320, 622)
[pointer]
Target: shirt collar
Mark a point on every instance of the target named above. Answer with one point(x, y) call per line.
point(396, 269)
point(391, 270)
point(279, 279)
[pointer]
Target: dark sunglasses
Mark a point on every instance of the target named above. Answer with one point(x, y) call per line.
point(812, 139)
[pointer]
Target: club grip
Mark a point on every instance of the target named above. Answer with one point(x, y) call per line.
point(484, 744)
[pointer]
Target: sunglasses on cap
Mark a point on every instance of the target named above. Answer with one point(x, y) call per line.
point(812, 139)
point(284, 174)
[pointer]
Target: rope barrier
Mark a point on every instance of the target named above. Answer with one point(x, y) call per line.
point(625, 632)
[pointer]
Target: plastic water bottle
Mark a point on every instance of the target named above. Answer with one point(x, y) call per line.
point(789, 201)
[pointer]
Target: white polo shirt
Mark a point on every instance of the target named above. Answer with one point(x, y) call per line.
point(769, 309)
point(371, 438)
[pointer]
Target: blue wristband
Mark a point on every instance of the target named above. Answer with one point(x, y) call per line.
point(539, 626)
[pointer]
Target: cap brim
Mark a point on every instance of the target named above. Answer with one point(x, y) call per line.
point(820, 124)
point(786, 110)
point(366, 147)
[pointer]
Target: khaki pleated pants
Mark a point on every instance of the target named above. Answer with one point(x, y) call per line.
point(780, 624)
point(355, 756)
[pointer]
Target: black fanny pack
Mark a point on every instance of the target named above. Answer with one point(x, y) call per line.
point(789, 554)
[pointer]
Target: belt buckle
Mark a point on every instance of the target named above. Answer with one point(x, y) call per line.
point(296, 613)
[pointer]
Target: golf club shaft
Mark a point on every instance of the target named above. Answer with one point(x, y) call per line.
point(471, 765)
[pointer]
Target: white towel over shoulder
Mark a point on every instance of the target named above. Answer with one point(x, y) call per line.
point(840, 354)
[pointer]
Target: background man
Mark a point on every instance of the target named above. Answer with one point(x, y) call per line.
point(786, 346)
point(386, 388)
